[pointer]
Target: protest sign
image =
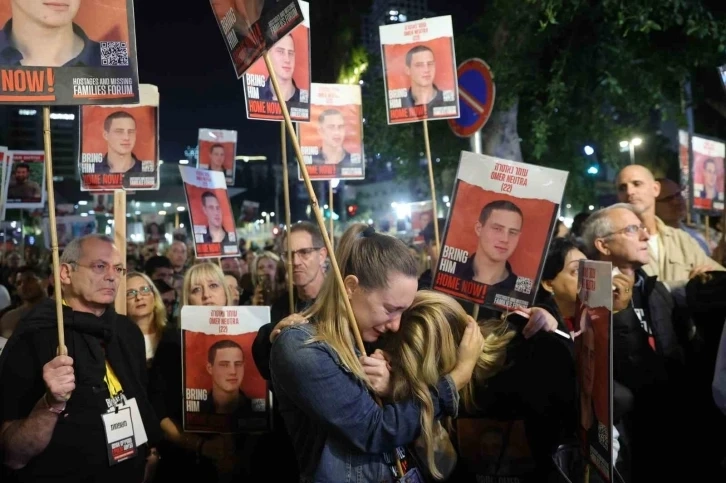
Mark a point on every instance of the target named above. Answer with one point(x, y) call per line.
point(419, 70)
point(95, 64)
point(501, 221)
point(120, 145)
point(223, 389)
point(332, 142)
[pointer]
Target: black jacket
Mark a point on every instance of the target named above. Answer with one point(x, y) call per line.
point(77, 450)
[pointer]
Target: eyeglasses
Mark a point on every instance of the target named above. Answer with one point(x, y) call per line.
point(629, 230)
point(303, 252)
point(145, 290)
point(100, 268)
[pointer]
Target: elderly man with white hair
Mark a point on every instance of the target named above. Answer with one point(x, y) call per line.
point(647, 357)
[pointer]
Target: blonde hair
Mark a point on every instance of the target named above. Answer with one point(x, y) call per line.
point(158, 322)
point(271, 256)
point(426, 347)
point(371, 257)
point(203, 271)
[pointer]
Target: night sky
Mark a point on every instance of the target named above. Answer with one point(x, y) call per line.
point(182, 52)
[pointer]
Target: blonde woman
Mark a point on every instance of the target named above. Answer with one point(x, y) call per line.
point(326, 391)
point(145, 307)
point(189, 455)
point(426, 347)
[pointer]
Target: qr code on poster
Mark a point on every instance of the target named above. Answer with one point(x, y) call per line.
point(114, 53)
point(523, 285)
point(603, 435)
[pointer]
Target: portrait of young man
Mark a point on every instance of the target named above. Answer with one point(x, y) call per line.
point(216, 158)
point(212, 209)
point(42, 33)
point(331, 128)
point(282, 57)
point(119, 132)
point(498, 230)
point(421, 71)
point(226, 366)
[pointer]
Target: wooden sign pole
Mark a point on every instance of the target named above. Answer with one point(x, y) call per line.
point(288, 216)
point(119, 236)
point(316, 207)
point(62, 349)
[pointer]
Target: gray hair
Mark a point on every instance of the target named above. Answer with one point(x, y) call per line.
point(74, 250)
point(599, 225)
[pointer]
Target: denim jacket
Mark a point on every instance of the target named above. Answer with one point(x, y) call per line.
point(338, 431)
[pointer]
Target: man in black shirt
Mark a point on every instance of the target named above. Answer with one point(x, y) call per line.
point(647, 358)
point(84, 416)
point(43, 34)
point(213, 211)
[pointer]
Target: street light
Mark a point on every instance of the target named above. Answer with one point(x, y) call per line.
point(631, 144)
point(589, 150)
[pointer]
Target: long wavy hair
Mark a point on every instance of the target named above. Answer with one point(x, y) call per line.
point(372, 258)
point(426, 347)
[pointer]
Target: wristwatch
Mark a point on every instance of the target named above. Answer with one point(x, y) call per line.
point(51, 408)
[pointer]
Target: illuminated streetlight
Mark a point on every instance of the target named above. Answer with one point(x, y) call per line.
point(636, 142)
point(624, 144)
point(589, 150)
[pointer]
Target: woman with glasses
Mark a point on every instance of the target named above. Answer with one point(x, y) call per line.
point(145, 307)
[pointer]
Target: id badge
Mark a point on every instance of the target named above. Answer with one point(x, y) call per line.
point(119, 427)
point(412, 476)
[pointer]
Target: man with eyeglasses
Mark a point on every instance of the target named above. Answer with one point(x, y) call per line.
point(84, 416)
point(647, 357)
point(308, 274)
point(675, 257)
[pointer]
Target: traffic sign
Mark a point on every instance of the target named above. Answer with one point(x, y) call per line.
point(476, 97)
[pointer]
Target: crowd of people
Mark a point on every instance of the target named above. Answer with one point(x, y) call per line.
point(430, 372)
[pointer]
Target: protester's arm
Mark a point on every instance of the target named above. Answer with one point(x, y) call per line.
point(25, 439)
point(27, 399)
point(328, 393)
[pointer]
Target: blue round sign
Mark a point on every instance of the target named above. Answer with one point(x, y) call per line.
point(476, 97)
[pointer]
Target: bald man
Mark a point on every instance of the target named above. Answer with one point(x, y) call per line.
point(675, 257)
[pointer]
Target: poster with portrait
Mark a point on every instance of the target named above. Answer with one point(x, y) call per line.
point(69, 228)
point(683, 162)
point(708, 174)
point(96, 64)
point(210, 213)
point(120, 145)
point(419, 70)
point(25, 180)
point(594, 363)
point(290, 58)
point(422, 213)
point(251, 27)
point(332, 142)
point(217, 152)
point(501, 221)
point(495, 451)
point(224, 391)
